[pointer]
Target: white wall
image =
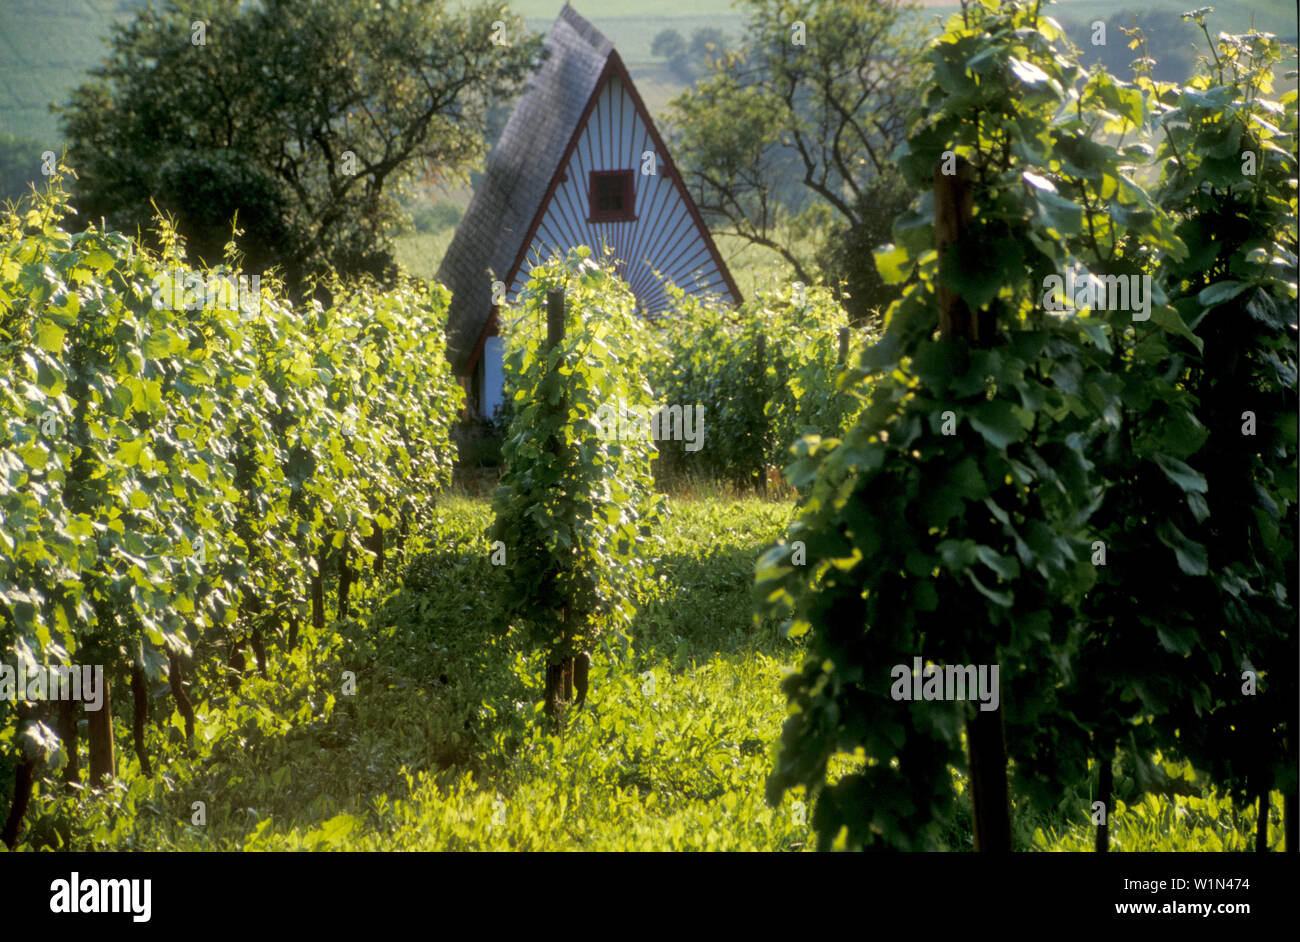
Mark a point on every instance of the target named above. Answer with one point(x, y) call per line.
point(493, 377)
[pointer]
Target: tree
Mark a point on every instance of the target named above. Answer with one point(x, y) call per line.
point(781, 142)
point(688, 61)
point(849, 251)
point(668, 44)
point(307, 117)
point(707, 42)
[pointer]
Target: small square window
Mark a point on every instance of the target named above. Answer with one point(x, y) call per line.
point(612, 196)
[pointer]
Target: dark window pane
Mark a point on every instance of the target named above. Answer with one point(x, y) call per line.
point(611, 195)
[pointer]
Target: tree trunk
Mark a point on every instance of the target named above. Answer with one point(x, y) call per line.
point(103, 763)
point(70, 735)
point(176, 677)
point(988, 781)
point(1105, 785)
point(140, 716)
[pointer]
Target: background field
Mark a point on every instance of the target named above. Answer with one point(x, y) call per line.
point(46, 46)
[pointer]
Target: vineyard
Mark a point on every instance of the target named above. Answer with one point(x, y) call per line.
point(1066, 461)
point(190, 461)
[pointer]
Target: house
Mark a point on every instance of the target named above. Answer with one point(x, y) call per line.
point(580, 162)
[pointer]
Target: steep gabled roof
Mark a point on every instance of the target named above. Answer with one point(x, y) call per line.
point(518, 176)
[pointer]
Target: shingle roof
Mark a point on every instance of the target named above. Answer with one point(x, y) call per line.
point(518, 173)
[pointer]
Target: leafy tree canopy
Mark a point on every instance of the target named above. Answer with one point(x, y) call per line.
point(303, 116)
point(780, 143)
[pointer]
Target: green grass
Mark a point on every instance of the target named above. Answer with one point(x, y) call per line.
point(752, 266)
point(442, 745)
point(420, 253)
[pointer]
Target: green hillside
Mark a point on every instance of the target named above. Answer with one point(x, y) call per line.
point(46, 46)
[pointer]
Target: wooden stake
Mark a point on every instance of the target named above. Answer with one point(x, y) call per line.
point(103, 763)
point(140, 717)
point(954, 200)
point(1105, 785)
point(990, 803)
point(559, 674)
point(760, 376)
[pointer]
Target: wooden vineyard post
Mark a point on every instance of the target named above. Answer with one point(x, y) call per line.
point(68, 733)
point(176, 678)
point(1289, 821)
point(24, 779)
point(140, 716)
point(843, 355)
point(376, 544)
point(235, 663)
point(1261, 823)
point(318, 591)
point(345, 581)
point(954, 198)
point(760, 377)
point(103, 763)
point(1105, 785)
point(953, 202)
point(559, 675)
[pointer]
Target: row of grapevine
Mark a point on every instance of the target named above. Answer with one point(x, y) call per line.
point(1096, 495)
point(575, 508)
point(764, 374)
point(185, 455)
